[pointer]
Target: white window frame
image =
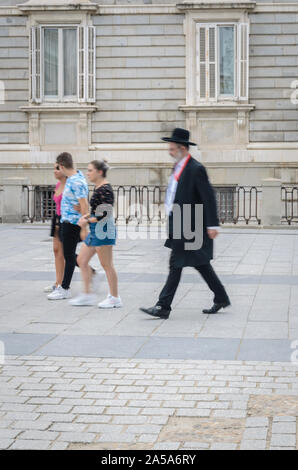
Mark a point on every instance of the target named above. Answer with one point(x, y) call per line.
point(241, 32)
point(87, 96)
point(60, 96)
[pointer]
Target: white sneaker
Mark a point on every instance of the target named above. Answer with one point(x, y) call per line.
point(111, 302)
point(83, 299)
point(50, 288)
point(59, 293)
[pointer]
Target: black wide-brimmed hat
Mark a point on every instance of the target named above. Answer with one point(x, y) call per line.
point(179, 136)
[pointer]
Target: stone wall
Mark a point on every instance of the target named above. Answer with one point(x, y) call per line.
point(140, 77)
point(273, 67)
point(14, 74)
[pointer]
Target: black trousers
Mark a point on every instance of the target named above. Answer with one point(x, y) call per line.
point(208, 274)
point(70, 238)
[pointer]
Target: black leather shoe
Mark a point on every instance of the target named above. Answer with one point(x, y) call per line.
point(216, 306)
point(156, 311)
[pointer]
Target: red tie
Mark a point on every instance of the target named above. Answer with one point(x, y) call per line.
point(182, 168)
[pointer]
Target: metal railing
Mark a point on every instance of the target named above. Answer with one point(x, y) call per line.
point(139, 204)
point(145, 204)
point(39, 204)
point(239, 204)
point(289, 198)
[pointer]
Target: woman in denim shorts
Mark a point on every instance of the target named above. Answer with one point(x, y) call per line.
point(101, 238)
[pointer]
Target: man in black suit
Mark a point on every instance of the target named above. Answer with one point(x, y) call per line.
point(188, 189)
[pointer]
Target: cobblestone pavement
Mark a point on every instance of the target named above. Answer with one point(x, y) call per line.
point(90, 403)
point(85, 378)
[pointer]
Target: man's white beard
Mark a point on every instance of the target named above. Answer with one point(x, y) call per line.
point(179, 155)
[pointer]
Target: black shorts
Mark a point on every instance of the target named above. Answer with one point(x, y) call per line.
point(56, 224)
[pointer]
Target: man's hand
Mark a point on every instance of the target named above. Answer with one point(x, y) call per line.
point(83, 220)
point(212, 233)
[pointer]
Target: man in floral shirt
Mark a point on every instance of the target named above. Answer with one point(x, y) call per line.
point(75, 194)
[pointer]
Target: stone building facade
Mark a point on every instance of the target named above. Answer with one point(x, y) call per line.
point(109, 78)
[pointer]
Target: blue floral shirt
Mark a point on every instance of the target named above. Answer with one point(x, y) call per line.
point(76, 188)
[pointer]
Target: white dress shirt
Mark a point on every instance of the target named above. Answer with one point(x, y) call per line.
point(172, 187)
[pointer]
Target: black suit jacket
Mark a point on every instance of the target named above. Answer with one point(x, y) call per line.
point(193, 188)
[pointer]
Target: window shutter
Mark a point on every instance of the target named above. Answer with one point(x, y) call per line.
point(91, 63)
point(212, 62)
point(201, 62)
point(206, 62)
point(86, 63)
point(243, 43)
point(81, 65)
point(35, 41)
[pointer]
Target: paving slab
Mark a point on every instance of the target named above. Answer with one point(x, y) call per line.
point(265, 350)
point(15, 343)
point(180, 348)
point(83, 378)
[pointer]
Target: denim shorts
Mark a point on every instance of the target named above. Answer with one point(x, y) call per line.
point(93, 240)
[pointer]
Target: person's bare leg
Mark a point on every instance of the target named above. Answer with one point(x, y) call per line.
point(105, 255)
point(83, 259)
point(59, 259)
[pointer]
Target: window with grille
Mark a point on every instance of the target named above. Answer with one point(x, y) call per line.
point(222, 61)
point(62, 63)
point(44, 204)
point(225, 198)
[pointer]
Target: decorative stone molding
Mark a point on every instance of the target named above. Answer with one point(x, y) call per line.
point(160, 9)
point(59, 108)
point(215, 4)
point(218, 125)
point(51, 127)
point(150, 9)
point(218, 107)
point(58, 11)
point(57, 5)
